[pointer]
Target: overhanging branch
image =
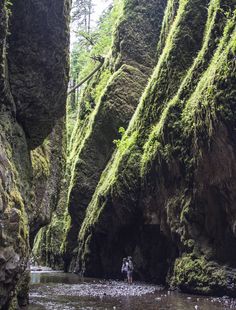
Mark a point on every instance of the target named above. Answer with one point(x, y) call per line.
point(88, 77)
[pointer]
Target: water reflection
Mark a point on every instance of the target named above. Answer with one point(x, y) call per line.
point(54, 277)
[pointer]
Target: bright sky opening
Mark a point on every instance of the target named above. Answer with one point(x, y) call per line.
point(98, 8)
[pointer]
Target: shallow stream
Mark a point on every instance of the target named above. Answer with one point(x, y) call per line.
point(60, 291)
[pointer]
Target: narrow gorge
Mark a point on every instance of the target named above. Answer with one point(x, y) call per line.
point(138, 161)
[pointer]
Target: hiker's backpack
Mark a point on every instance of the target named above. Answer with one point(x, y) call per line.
point(124, 267)
point(130, 266)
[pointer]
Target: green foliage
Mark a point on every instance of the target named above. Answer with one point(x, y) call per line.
point(81, 13)
point(118, 141)
point(8, 7)
point(82, 64)
point(106, 26)
point(40, 161)
point(81, 61)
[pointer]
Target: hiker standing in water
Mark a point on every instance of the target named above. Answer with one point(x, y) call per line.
point(130, 270)
point(124, 268)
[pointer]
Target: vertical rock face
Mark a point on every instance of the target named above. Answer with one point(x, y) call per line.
point(48, 162)
point(167, 196)
point(14, 192)
point(37, 70)
point(128, 70)
point(27, 114)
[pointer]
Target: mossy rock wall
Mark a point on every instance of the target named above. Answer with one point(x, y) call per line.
point(48, 162)
point(128, 69)
point(27, 116)
point(15, 174)
point(167, 197)
point(50, 188)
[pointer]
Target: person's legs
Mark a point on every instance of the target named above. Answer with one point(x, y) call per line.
point(130, 277)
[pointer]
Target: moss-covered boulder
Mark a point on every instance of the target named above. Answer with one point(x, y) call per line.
point(198, 275)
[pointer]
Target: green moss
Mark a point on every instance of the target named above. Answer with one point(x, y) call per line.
point(126, 75)
point(171, 117)
point(146, 112)
point(8, 6)
point(15, 199)
point(112, 180)
point(170, 14)
point(38, 245)
point(14, 187)
point(163, 146)
point(13, 304)
point(118, 141)
point(196, 274)
point(40, 161)
point(16, 202)
point(103, 80)
point(117, 102)
point(48, 244)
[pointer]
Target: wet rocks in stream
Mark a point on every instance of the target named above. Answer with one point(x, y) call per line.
point(101, 289)
point(54, 291)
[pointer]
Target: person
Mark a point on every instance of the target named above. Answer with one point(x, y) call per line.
point(124, 267)
point(130, 270)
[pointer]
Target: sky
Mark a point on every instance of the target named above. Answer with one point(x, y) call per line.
point(99, 7)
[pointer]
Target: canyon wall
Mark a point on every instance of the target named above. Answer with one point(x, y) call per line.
point(167, 196)
point(151, 164)
point(112, 95)
point(128, 70)
point(33, 82)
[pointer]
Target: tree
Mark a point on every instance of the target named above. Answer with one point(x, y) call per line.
point(81, 14)
point(92, 45)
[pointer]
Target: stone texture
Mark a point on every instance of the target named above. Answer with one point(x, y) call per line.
point(28, 111)
point(14, 185)
point(48, 163)
point(167, 197)
point(166, 193)
point(133, 57)
point(37, 59)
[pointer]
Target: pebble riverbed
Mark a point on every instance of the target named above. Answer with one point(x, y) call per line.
point(59, 291)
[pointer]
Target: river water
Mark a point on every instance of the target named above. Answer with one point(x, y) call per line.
point(60, 291)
